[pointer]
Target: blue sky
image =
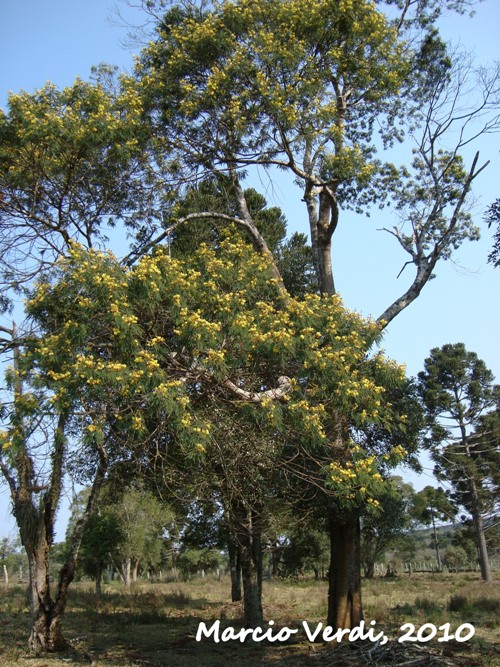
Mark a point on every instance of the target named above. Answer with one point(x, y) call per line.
point(58, 40)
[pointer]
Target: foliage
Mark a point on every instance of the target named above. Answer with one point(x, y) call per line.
point(192, 561)
point(69, 166)
point(306, 549)
point(176, 330)
point(454, 557)
point(384, 527)
point(457, 387)
point(175, 359)
point(493, 218)
point(432, 504)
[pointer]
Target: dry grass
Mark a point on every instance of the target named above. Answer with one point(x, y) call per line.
point(155, 625)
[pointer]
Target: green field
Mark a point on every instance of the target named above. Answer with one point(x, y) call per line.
point(156, 624)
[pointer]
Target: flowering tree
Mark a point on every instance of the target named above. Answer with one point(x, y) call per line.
point(68, 164)
point(190, 353)
point(301, 86)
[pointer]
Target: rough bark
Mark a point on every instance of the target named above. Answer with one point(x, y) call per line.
point(35, 516)
point(251, 568)
point(344, 578)
point(249, 538)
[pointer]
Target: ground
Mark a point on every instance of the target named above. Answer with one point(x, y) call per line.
point(155, 625)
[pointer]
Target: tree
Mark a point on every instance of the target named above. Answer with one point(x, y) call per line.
point(100, 541)
point(141, 520)
point(68, 161)
point(386, 524)
point(305, 549)
point(458, 393)
point(430, 506)
point(217, 92)
point(454, 558)
point(282, 366)
point(225, 94)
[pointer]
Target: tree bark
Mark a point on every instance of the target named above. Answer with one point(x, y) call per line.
point(344, 578)
point(249, 537)
point(251, 567)
point(484, 561)
point(477, 519)
point(370, 570)
point(234, 552)
point(46, 632)
point(127, 569)
point(98, 582)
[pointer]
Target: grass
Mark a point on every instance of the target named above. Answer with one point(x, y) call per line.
point(155, 625)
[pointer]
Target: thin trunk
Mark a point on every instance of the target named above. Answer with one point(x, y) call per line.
point(477, 519)
point(484, 561)
point(436, 541)
point(98, 581)
point(135, 571)
point(344, 578)
point(234, 551)
point(276, 560)
point(127, 572)
point(5, 574)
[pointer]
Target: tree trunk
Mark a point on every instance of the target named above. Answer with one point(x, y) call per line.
point(127, 572)
point(484, 562)
point(370, 570)
point(136, 569)
point(436, 542)
point(5, 574)
point(475, 509)
point(249, 537)
point(46, 616)
point(276, 559)
point(98, 581)
point(251, 566)
point(46, 634)
point(344, 577)
point(234, 551)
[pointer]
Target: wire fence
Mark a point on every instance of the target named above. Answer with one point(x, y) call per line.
point(399, 567)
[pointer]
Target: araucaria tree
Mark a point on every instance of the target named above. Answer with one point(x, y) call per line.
point(460, 397)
